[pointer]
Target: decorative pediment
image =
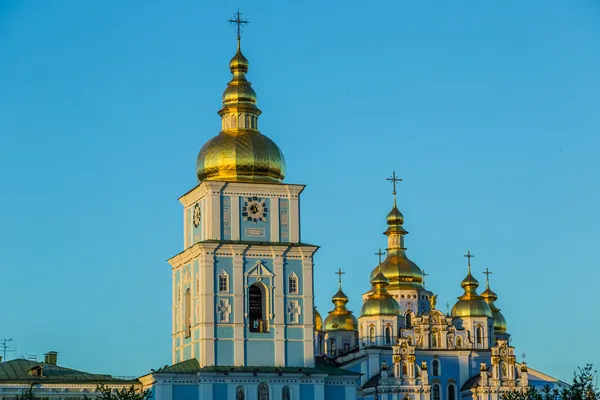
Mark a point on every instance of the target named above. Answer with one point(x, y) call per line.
point(259, 271)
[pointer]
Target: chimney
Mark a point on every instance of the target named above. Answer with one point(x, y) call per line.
point(51, 357)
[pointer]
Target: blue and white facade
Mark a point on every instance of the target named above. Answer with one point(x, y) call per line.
point(244, 323)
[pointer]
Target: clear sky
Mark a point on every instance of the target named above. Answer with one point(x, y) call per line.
point(488, 110)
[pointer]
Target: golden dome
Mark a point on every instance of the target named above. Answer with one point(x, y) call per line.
point(318, 320)
point(470, 304)
point(379, 302)
point(490, 297)
point(240, 152)
point(340, 318)
point(246, 156)
point(397, 267)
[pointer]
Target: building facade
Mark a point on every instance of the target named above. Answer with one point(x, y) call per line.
point(244, 322)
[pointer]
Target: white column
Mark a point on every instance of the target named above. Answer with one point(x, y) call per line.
point(274, 219)
point(280, 309)
point(294, 218)
point(237, 282)
point(207, 309)
point(307, 309)
point(234, 217)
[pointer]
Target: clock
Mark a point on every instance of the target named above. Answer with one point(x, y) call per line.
point(197, 215)
point(255, 209)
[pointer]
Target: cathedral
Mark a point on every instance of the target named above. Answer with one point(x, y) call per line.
point(244, 323)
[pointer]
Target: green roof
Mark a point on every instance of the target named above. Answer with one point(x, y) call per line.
point(192, 367)
point(18, 371)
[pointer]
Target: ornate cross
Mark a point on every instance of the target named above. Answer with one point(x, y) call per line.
point(424, 275)
point(469, 256)
point(380, 253)
point(239, 21)
point(294, 310)
point(394, 179)
point(224, 309)
point(339, 273)
point(487, 276)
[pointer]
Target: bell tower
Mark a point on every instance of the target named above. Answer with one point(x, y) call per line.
point(243, 285)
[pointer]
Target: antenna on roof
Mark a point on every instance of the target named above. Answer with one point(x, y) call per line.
point(4, 347)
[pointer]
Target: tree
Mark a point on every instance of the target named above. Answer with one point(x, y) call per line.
point(583, 387)
point(107, 393)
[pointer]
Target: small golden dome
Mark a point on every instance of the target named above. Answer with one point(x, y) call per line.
point(395, 217)
point(470, 304)
point(240, 153)
point(379, 302)
point(490, 297)
point(318, 320)
point(340, 318)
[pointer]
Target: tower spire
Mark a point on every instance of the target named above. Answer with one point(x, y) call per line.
point(239, 21)
point(394, 179)
point(380, 253)
point(487, 278)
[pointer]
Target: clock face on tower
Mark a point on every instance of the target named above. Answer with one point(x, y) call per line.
point(255, 209)
point(197, 215)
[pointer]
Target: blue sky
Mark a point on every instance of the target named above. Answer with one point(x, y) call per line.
point(488, 111)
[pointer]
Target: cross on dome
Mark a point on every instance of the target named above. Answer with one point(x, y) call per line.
point(468, 256)
point(339, 273)
point(239, 21)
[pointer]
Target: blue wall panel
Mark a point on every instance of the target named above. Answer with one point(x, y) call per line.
point(219, 391)
point(334, 392)
point(185, 392)
point(295, 353)
point(224, 352)
point(307, 391)
point(258, 231)
point(260, 353)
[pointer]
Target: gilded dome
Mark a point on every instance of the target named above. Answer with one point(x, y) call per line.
point(240, 152)
point(470, 304)
point(400, 270)
point(397, 267)
point(379, 302)
point(471, 308)
point(490, 297)
point(340, 322)
point(318, 320)
point(340, 318)
point(245, 156)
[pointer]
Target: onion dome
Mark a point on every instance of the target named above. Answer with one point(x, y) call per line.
point(340, 318)
point(318, 320)
point(470, 304)
point(240, 153)
point(379, 302)
point(490, 297)
point(397, 267)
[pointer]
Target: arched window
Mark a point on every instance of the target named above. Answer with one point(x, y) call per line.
point(256, 308)
point(408, 320)
point(233, 121)
point(285, 393)
point(458, 341)
point(263, 391)
point(223, 282)
point(293, 283)
point(331, 347)
point(435, 391)
point(247, 121)
point(320, 344)
point(404, 368)
point(239, 393)
point(187, 306)
point(372, 334)
point(435, 367)
point(433, 337)
point(388, 335)
point(451, 392)
point(504, 370)
point(479, 335)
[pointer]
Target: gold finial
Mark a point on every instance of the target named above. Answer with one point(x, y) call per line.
point(394, 179)
point(433, 301)
point(469, 256)
point(339, 273)
point(239, 21)
point(424, 275)
point(487, 278)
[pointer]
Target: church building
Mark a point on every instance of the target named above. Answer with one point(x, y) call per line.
point(244, 323)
